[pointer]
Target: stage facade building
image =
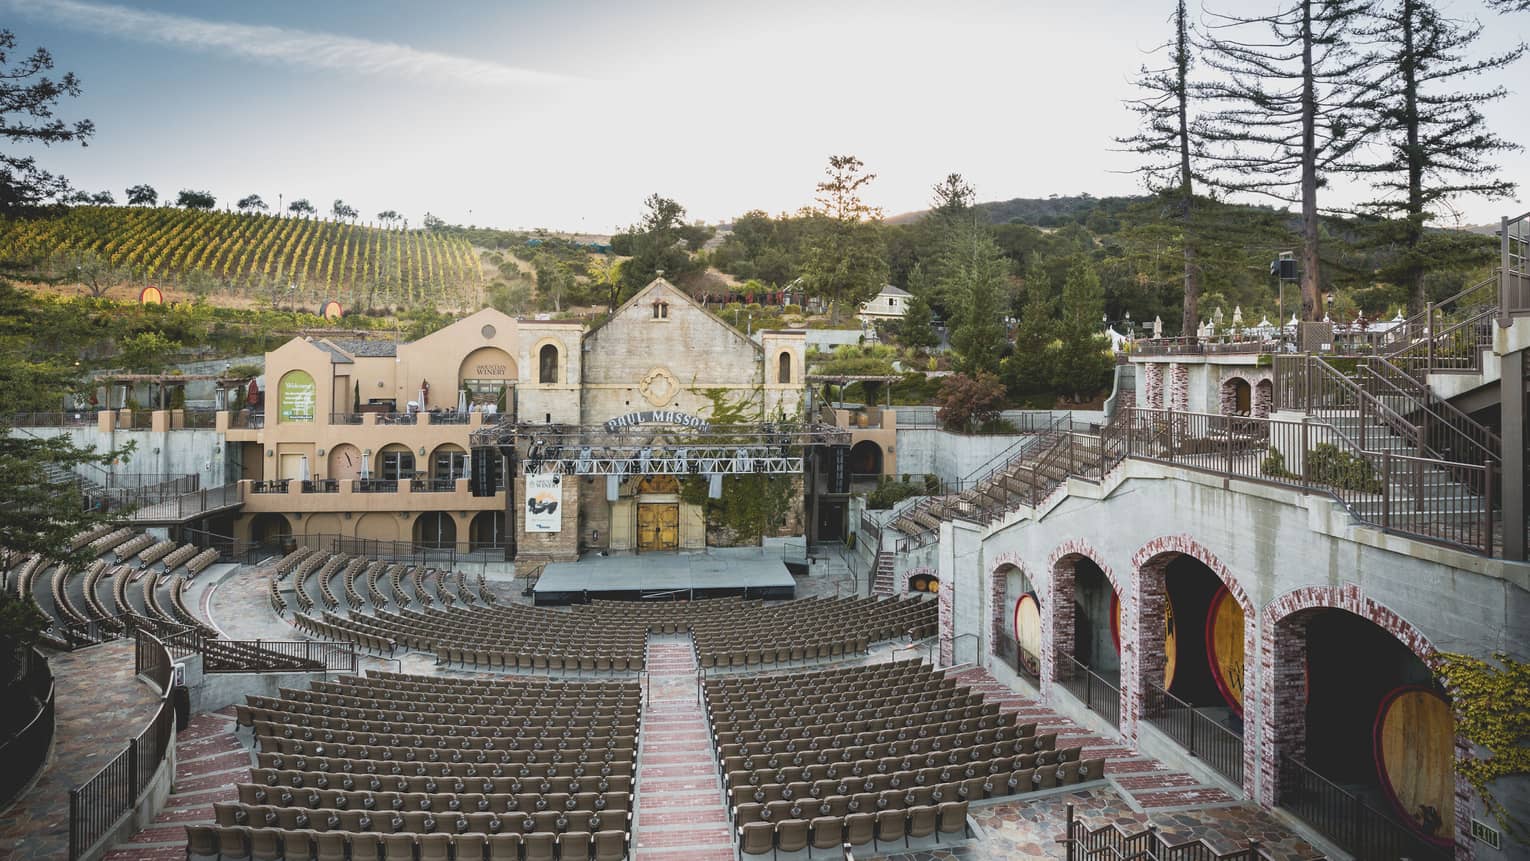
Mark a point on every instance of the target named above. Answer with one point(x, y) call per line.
point(372, 440)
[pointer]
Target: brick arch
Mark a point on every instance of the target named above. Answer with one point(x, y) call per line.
point(997, 611)
point(1283, 661)
point(1148, 566)
point(1060, 599)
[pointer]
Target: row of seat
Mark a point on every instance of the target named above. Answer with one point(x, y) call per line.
point(463, 802)
point(811, 758)
point(293, 818)
point(974, 782)
point(242, 843)
point(856, 829)
point(457, 780)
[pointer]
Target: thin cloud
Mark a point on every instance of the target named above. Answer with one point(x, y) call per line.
point(281, 45)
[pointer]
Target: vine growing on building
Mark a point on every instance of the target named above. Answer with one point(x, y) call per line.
point(751, 506)
point(1489, 705)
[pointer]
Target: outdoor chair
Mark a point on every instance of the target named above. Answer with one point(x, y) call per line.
point(953, 819)
point(891, 825)
point(201, 843)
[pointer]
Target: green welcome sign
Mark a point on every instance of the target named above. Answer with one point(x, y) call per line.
point(295, 397)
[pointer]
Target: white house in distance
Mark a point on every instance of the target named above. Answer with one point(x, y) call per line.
point(890, 304)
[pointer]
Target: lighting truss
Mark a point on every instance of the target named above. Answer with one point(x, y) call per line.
point(767, 448)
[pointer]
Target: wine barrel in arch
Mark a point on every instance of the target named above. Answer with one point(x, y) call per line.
point(1170, 640)
point(1028, 632)
point(1415, 759)
point(1224, 647)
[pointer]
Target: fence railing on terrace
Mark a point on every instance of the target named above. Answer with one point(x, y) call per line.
point(98, 804)
point(1358, 828)
point(23, 752)
point(1091, 688)
point(1201, 735)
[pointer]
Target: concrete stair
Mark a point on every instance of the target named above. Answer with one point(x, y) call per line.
point(884, 578)
point(209, 760)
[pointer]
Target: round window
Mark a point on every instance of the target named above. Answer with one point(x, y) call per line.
point(489, 331)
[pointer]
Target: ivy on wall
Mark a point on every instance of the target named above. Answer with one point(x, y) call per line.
point(751, 506)
point(1491, 711)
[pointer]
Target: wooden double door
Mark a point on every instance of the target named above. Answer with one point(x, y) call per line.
point(658, 526)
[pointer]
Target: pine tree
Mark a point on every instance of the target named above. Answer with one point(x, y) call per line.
point(1167, 138)
point(976, 272)
point(1436, 141)
point(1082, 362)
point(845, 261)
point(1295, 97)
point(1029, 369)
point(917, 330)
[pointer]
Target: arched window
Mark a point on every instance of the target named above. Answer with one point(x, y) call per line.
point(547, 364)
point(784, 368)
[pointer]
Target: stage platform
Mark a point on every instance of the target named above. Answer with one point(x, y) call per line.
point(716, 573)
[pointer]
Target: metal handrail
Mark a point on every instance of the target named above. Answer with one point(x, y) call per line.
point(1446, 414)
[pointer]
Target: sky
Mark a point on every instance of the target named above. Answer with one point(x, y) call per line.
point(567, 114)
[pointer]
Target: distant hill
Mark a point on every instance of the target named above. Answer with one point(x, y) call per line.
point(1036, 211)
point(257, 254)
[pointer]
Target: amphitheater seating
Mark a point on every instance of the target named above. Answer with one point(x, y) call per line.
point(427, 767)
point(885, 739)
point(391, 605)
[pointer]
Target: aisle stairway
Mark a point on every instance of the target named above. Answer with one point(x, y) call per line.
point(680, 814)
point(884, 581)
point(209, 760)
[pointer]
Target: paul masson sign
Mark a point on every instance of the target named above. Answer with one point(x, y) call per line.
point(663, 417)
point(544, 502)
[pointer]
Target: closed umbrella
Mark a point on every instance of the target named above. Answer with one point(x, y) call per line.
point(462, 404)
point(303, 468)
point(253, 398)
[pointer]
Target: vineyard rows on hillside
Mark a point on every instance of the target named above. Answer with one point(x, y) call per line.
point(362, 266)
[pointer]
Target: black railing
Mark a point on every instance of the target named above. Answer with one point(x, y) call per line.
point(199, 419)
point(374, 485)
point(433, 485)
point(277, 485)
point(1355, 826)
point(23, 752)
point(98, 804)
point(1110, 842)
point(275, 656)
point(345, 418)
point(322, 485)
point(1016, 657)
point(1200, 734)
point(1091, 689)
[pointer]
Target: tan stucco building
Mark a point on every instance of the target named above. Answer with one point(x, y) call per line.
point(370, 440)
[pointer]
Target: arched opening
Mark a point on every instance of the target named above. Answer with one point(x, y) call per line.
point(487, 531)
point(1193, 664)
point(395, 462)
point(487, 374)
point(784, 368)
point(1017, 620)
point(547, 364)
point(377, 526)
point(435, 530)
point(1237, 397)
point(1357, 711)
point(923, 581)
point(344, 461)
point(1264, 398)
point(1085, 636)
point(447, 464)
point(269, 529)
point(866, 459)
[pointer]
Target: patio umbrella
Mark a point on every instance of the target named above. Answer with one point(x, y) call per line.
point(253, 398)
point(424, 394)
point(462, 403)
point(303, 469)
point(365, 470)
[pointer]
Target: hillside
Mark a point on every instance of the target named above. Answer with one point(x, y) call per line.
point(258, 255)
point(1037, 211)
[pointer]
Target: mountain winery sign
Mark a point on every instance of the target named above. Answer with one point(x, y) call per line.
point(661, 417)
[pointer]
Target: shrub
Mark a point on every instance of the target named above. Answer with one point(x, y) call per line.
point(890, 493)
point(1274, 465)
point(1328, 464)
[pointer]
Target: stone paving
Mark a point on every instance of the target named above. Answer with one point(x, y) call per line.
point(100, 705)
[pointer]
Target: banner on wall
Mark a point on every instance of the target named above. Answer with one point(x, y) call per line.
point(295, 397)
point(544, 502)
